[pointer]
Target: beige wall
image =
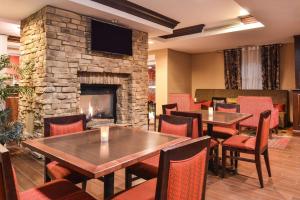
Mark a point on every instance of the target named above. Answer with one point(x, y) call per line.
point(179, 72)
point(161, 78)
point(287, 71)
point(173, 75)
point(208, 71)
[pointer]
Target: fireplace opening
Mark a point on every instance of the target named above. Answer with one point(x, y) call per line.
point(98, 101)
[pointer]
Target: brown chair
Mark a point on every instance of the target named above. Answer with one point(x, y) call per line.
point(148, 169)
point(60, 126)
point(225, 132)
point(250, 145)
point(175, 179)
point(216, 100)
point(169, 107)
point(198, 132)
point(54, 190)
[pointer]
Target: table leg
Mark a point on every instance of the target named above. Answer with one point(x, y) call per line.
point(109, 185)
point(209, 129)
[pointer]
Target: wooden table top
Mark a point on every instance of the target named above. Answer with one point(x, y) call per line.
point(222, 118)
point(85, 153)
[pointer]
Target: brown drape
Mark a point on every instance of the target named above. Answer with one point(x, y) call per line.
point(270, 58)
point(233, 63)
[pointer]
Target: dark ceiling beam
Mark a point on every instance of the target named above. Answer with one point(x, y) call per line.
point(140, 11)
point(185, 31)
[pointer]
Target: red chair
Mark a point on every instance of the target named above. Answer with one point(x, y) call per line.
point(226, 132)
point(148, 169)
point(250, 145)
point(60, 126)
point(55, 190)
point(167, 108)
point(182, 174)
point(198, 132)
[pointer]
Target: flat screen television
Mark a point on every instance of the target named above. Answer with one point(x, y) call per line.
point(110, 38)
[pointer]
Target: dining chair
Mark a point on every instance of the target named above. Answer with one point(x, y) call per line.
point(167, 108)
point(256, 146)
point(216, 100)
point(54, 190)
point(182, 174)
point(198, 132)
point(225, 132)
point(148, 169)
point(61, 126)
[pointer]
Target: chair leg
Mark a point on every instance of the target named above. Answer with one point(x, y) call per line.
point(223, 162)
point(83, 185)
point(46, 176)
point(231, 159)
point(258, 168)
point(216, 160)
point(236, 154)
point(267, 161)
point(128, 179)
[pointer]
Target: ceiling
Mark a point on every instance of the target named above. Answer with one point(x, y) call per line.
point(280, 17)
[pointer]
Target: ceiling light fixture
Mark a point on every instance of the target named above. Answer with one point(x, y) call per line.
point(244, 12)
point(150, 42)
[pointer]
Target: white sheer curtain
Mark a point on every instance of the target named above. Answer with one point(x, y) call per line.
point(251, 68)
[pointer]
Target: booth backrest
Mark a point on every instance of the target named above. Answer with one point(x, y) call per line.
point(278, 96)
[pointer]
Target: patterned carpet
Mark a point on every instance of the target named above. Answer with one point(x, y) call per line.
point(279, 141)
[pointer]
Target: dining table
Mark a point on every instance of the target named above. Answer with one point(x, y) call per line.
point(221, 118)
point(86, 153)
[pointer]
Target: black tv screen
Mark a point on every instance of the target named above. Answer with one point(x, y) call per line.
point(110, 38)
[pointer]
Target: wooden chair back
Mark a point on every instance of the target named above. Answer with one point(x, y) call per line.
point(63, 120)
point(167, 108)
point(233, 108)
point(263, 131)
point(197, 122)
point(216, 100)
point(8, 185)
point(176, 125)
point(183, 170)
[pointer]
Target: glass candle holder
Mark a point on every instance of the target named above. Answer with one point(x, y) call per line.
point(104, 133)
point(210, 111)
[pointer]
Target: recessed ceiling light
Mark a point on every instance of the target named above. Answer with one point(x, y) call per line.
point(150, 42)
point(244, 12)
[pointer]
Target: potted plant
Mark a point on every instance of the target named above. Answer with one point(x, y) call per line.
point(9, 130)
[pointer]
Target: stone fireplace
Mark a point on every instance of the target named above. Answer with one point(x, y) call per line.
point(98, 101)
point(57, 42)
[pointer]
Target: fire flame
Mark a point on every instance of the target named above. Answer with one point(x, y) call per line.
point(90, 109)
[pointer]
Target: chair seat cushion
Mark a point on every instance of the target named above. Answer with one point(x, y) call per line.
point(56, 190)
point(240, 142)
point(144, 191)
point(146, 169)
point(57, 171)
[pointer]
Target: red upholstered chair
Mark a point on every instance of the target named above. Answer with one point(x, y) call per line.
point(167, 108)
point(60, 126)
point(55, 190)
point(148, 169)
point(182, 174)
point(250, 145)
point(226, 132)
point(198, 132)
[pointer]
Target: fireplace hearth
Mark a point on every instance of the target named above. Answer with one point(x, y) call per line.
point(98, 101)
